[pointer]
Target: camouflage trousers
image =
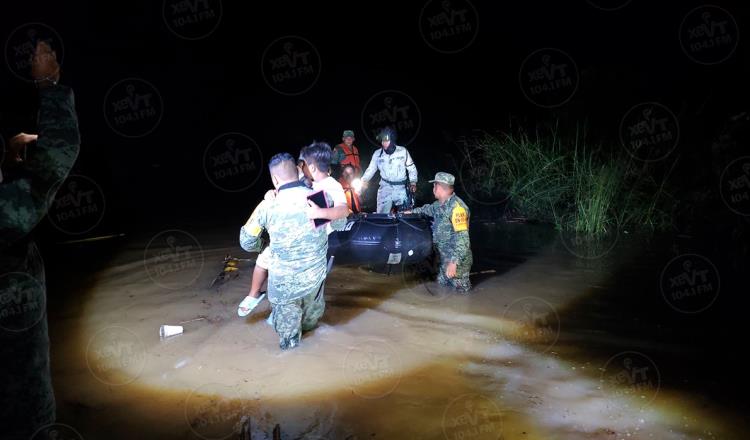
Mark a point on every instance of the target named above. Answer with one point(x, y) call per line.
point(291, 319)
point(27, 400)
point(461, 281)
point(390, 195)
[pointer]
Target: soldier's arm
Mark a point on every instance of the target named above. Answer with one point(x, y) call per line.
point(371, 168)
point(250, 232)
point(24, 201)
point(428, 209)
point(411, 168)
point(459, 245)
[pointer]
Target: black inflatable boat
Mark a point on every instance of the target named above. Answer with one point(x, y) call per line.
point(382, 239)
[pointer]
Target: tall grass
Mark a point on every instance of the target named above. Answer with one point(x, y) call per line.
point(576, 186)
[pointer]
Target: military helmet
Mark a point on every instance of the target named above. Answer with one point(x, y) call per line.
point(387, 134)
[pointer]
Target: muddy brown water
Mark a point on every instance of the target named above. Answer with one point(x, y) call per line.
point(393, 357)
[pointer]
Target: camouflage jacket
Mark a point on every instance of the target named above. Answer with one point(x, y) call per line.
point(298, 249)
point(450, 228)
point(26, 396)
point(395, 167)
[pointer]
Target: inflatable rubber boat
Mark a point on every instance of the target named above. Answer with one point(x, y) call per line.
point(382, 239)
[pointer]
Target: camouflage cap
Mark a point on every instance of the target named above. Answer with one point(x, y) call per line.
point(348, 133)
point(444, 177)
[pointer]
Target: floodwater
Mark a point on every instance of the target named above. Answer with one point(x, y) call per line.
point(525, 356)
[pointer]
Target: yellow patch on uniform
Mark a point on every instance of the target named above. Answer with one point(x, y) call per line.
point(255, 230)
point(460, 219)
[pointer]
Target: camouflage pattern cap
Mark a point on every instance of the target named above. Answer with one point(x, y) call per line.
point(444, 177)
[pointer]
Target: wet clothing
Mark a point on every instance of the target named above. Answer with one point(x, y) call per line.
point(397, 170)
point(27, 400)
point(343, 155)
point(292, 318)
point(297, 265)
point(450, 235)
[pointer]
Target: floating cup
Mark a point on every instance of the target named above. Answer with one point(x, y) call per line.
point(166, 331)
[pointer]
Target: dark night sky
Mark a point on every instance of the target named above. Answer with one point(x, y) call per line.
point(215, 84)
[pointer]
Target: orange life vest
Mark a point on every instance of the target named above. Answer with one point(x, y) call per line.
point(351, 157)
point(352, 198)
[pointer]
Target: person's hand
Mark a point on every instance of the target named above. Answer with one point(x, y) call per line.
point(364, 184)
point(450, 270)
point(16, 144)
point(413, 187)
point(270, 195)
point(313, 211)
point(44, 67)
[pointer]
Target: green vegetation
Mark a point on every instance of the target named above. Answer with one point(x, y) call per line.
point(563, 181)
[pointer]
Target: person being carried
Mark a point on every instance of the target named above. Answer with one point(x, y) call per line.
point(395, 164)
point(297, 258)
point(450, 233)
point(314, 161)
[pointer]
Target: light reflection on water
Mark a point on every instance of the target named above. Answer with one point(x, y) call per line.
point(389, 358)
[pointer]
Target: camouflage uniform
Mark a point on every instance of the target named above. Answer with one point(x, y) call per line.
point(27, 400)
point(297, 267)
point(450, 234)
point(393, 169)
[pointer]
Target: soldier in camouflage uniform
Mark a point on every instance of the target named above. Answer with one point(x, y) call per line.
point(450, 233)
point(27, 400)
point(395, 164)
point(297, 270)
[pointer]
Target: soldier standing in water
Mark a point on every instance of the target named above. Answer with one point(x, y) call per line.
point(450, 233)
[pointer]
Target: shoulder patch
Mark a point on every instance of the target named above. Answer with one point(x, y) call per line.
point(459, 219)
point(255, 230)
